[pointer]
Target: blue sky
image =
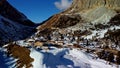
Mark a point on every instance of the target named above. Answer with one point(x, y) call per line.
point(40, 10)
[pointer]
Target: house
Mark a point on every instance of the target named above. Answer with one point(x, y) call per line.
point(30, 40)
point(38, 44)
point(52, 42)
point(59, 43)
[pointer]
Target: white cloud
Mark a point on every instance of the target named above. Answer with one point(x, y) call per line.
point(63, 4)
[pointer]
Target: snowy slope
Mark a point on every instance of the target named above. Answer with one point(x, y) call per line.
point(10, 30)
point(65, 58)
point(101, 32)
point(14, 25)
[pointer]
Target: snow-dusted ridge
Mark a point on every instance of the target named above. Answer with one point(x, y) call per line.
point(10, 30)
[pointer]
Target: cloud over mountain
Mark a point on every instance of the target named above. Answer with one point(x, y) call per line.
point(63, 4)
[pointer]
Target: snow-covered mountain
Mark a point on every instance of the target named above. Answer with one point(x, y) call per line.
point(13, 24)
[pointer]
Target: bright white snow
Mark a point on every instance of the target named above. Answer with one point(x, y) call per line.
point(37, 58)
point(65, 58)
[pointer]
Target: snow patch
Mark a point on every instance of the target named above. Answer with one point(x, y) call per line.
point(100, 33)
point(38, 57)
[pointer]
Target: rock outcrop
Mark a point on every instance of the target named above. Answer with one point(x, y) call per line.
point(98, 11)
point(84, 5)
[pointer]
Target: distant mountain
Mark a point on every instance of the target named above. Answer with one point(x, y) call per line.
point(93, 16)
point(13, 24)
point(11, 13)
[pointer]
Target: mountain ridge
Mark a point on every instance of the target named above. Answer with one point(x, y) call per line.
point(14, 25)
point(10, 12)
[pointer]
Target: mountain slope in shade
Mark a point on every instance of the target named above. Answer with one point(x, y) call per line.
point(11, 13)
point(13, 24)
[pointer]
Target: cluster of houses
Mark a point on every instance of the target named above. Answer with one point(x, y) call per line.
point(64, 38)
point(60, 38)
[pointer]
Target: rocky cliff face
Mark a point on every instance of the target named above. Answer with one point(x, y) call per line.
point(86, 15)
point(95, 10)
point(82, 5)
point(13, 24)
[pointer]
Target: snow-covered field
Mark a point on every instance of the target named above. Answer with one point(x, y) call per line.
point(65, 58)
point(57, 58)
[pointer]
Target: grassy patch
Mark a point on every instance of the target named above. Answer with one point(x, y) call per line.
point(20, 53)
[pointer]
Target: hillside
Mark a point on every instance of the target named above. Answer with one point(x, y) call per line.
point(13, 24)
point(84, 15)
